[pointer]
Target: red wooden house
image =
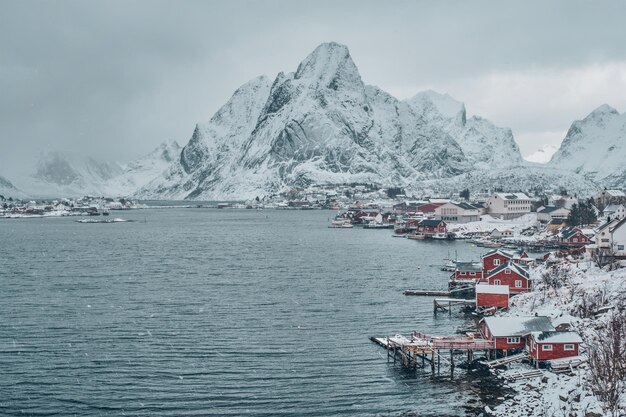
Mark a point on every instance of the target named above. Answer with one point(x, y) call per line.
point(553, 345)
point(492, 296)
point(515, 276)
point(468, 271)
point(497, 257)
point(431, 227)
point(512, 333)
point(573, 237)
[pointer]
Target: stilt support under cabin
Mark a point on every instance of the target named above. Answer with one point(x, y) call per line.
point(430, 349)
point(440, 304)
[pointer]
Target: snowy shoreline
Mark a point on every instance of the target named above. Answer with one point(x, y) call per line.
point(585, 298)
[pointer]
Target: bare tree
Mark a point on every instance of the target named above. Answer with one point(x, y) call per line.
point(607, 360)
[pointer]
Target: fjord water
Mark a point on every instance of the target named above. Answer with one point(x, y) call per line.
point(217, 312)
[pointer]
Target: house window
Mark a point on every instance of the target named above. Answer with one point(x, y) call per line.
point(496, 261)
point(512, 340)
point(620, 247)
point(472, 273)
point(496, 282)
point(507, 271)
point(568, 346)
point(546, 347)
point(518, 283)
point(575, 240)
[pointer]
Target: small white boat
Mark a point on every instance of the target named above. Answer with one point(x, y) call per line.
point(440, 236)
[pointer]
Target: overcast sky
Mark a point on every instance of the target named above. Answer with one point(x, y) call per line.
point(113, 79)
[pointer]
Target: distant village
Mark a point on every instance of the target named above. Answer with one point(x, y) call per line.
point(85, 206)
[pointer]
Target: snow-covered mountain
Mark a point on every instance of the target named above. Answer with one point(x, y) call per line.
point(596, 147)
point(136, 174)
point(65, 175)
point(322, 124)
point(7, 189)
point(543, 154)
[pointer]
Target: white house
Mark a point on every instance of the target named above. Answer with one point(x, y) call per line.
point(618, 238)
point(614, 211)
point(548, 213)
point(458, 212)
point(509, 205)
point(606, 197)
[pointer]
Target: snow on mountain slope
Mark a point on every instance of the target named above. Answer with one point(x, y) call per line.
point(543, 154)
point(528, 177)
point(595, 147)
point(140, 172)
point(7, 189)
point(61, 175)
point(65, 175)
point(322, 124)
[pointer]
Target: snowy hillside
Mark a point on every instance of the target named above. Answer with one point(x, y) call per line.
point(140, 172)
point(322, 124)
point(62, 174)
point(595, 147)
point(65, 175)
point(526, 177)
point(7, 189)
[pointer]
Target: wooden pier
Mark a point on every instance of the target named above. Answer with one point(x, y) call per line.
point(425, 292)
point(418, 349)
point(440, 304)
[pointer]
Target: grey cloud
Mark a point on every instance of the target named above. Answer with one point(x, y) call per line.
point(115, 78)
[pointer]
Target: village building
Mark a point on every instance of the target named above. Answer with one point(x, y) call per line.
point(511, 333)
point(497, 257)
point(430, 227)
point(549, 345)
point(509, 205)
point(614, 211)
point(514, 275)
point(563, 201)
point(471, 271)
point(492, 296)
point(618, 239)
point(458, 212)
point(428, 209)
point(500, 233)
point(604, 235)
point(606, 197)
point(573, 237)
point(406, 207)
point(556, 225)
point(548, 213)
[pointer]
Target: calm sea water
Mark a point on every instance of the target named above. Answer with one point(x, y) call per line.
point(217, 312)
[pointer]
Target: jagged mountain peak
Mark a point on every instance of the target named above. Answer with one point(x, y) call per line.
point(595, 147)
point(329, 65)
point(322, 125)
point(443, 103)
point(604, 109)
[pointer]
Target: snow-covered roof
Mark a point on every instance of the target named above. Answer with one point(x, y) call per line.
point(615, 193)
point(513, 267)
point(512, 196)
point(499, 251)
point(557, 337)
point(469, 266)
point(517, 326)
point(550, 209)
point(492, 289)
point(612, 208)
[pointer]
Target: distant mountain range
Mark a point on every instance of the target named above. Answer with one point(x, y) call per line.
point(322, 125)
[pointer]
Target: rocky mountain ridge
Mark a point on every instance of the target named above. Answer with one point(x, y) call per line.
point(322, 125)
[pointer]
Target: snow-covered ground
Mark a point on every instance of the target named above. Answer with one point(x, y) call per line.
point(586, 289)
point(488, 223)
